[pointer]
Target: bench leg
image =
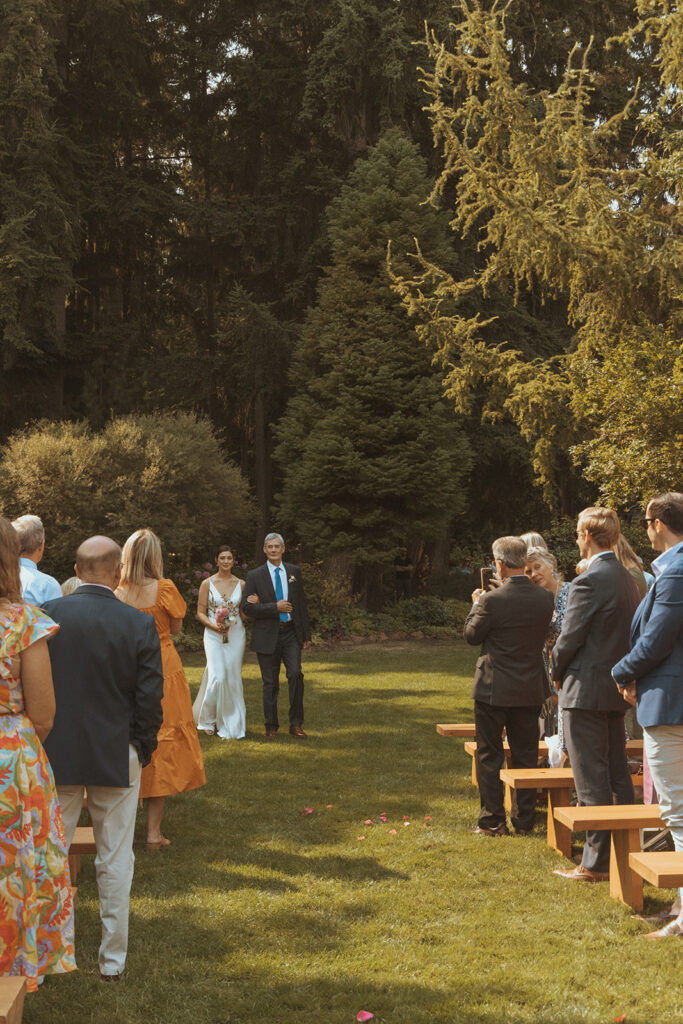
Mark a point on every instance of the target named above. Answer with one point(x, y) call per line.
point(507, 800)
point(474, 772)
point(74, 866)
point(625, 884)
point(559, 835)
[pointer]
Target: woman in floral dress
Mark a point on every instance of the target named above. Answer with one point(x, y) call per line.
point(36, 902)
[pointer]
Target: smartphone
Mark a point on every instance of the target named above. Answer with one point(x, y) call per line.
point(487, 574)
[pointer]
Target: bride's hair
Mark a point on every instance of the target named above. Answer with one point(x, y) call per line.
point(141, 558)
point(222, 548)
point(10, 580)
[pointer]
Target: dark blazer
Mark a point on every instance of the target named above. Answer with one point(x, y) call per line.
point(511, 624)
point(266, 628)
point(595, 634)
point(106, 667)
point(656, 657)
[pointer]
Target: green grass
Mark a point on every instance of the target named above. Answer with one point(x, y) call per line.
point(259, 912)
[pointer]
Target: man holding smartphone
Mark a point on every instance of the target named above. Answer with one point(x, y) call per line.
point(510, 683)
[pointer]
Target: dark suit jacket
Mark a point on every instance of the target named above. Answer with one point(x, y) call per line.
point(266, 628)
point(656, 658)
point(595, 634)
point(511, 624)
point(106, 667)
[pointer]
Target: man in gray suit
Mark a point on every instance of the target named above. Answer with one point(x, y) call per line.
point(595, 634)
point(106, 667)
point(510, 683)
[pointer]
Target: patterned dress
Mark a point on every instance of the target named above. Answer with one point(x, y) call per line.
point(554, 630)
point(36, 903)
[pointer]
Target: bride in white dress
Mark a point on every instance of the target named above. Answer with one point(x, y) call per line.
point(219, 705)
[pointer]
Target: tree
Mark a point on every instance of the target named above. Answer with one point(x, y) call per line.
point(371, 455)
point(560, 208)
point(164, 471)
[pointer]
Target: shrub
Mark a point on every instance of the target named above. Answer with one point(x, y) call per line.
point(166, 471)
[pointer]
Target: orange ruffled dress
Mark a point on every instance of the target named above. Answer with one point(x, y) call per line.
point(177, 763)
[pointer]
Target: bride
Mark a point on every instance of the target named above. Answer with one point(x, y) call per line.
point(219, 705)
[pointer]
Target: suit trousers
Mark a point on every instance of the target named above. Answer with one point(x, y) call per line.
point(521, 725)
point(596, 741)
point(113, 819)
point(664, 748)
point(288, 650)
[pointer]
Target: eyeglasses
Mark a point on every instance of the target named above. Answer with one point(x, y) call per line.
point(646, 522)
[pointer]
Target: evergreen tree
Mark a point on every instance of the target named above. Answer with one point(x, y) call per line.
point(370, 453)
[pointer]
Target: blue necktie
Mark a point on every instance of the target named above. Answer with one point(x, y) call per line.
point(279, 595)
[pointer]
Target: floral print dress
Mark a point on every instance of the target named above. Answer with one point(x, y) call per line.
point(36, 902)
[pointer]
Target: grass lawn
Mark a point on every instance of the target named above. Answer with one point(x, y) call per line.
point(260, 912)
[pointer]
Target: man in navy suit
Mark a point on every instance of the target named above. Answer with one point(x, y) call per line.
point(274, 598)
point(652, 673)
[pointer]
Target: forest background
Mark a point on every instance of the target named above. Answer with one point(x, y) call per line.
point(201, 327)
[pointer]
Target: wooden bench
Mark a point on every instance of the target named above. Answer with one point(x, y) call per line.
point(465, 730)
point(663, 869)
point(12, 992)
point(471, 749)
point(83, 842)
point(624, 821)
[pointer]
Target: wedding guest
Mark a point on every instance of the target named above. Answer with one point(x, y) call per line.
point(541, 568)
point(595, 633)
point(652, 673)
point(219, 706)
point(510, 683)
point(36, 586)
point(629, 559)
point(176, 765)
point(37, 927)
point(106, 665)
point(422, 573)
point(68, 586)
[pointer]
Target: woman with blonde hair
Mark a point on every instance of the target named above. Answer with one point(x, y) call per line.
point(628, 558)
point(177, 763)
point(37, 925)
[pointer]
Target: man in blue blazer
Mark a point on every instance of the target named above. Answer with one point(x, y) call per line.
point(652, 673)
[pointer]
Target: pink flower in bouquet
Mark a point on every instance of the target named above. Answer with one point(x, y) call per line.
point(222, 616)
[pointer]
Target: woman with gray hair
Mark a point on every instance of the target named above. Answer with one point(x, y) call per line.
point(541, 568)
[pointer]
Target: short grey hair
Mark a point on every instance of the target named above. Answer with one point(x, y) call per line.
point(31, 533)
point(274, 536)
point(512, 551)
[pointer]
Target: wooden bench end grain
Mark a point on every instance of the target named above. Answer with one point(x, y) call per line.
point(12, 992)
point(663, 869)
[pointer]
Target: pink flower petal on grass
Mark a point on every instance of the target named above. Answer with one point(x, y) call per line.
point(368, 821)
point(360, 837)
point(405, 817)
point(393, 832)
point(405, 824)
point(428, 817)
point(329, 805)
point(365, 1015)
point(308, 810)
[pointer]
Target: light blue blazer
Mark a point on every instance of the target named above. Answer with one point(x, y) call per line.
point(656, 657)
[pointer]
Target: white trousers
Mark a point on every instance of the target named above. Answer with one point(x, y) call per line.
point(664, 750)
point(113, 818)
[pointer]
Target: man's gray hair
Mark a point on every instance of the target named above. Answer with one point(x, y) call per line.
point(31, 533)
point(274, 536)
point(512, 551)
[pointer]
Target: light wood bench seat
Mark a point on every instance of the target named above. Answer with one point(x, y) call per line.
point(471, 748)
point(559, 782)
point(83, 842)
point(624, 821)
point(466, 730)
point(663, 869)
point(12, 993)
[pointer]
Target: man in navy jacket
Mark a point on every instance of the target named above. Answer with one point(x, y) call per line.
point(652, 672)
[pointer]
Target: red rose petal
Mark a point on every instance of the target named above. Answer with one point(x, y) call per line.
point(364, 1015)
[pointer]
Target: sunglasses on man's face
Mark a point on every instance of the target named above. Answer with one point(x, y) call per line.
point(646, 522)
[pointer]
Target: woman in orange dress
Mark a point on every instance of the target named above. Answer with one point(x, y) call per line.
point(177, 763)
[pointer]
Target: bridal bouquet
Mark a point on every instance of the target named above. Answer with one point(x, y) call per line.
point(227, 613)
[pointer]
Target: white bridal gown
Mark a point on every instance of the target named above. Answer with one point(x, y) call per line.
point(219, 705)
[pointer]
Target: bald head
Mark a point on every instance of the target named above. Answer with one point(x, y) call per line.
point(98, 560)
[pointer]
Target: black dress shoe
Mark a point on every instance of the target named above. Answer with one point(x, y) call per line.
point(500, 830)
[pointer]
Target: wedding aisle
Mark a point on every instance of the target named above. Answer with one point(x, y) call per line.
point(310, 881)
